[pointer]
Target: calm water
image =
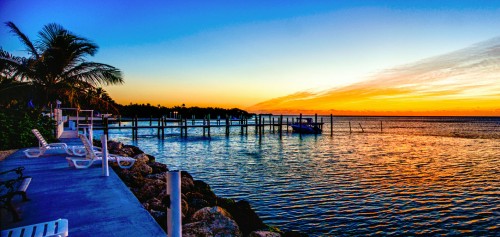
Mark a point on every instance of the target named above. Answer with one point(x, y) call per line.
point(420, 176)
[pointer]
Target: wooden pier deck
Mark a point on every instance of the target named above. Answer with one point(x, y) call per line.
point(260, 123)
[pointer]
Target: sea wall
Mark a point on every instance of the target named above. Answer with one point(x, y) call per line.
point(203, 212)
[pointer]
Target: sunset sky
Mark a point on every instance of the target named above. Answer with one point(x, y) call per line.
point(332, 56)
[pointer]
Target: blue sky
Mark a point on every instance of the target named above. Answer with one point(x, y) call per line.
point(239, 53)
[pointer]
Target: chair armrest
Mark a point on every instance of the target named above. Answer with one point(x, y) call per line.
point(18, 171)
point(7, 187)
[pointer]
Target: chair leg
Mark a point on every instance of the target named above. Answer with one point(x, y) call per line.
point(25, 197)
point(118, 161)
point(12, 209)
point(87, 163)
point(30, 155)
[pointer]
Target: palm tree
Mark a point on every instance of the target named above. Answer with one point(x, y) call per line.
point(55, 68)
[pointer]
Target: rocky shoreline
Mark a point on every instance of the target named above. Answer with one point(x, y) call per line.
point(203, 213)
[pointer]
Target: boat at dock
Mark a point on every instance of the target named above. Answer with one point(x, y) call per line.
point(306, 125)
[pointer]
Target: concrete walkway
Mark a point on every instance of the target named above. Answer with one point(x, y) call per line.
point(93, 204)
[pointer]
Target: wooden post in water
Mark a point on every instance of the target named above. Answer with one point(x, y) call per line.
point(158, 129)
point(261, 123)
point(300, 125)
point(256, 124)
point(132, 128)
point(280, 128)
point(136, 127)
point(163, 127)
point(119, 120)
point(270, 124)
point(362, 130)
point(180, 124)
point(203, 127)
point(208, 122)
point(350, 130)
point(241, 124)
point(260, 126)
point(273, 125)
point(381, 131)
point(331, 124)
point(316, 122)
point(227, 125)
point(287, 125)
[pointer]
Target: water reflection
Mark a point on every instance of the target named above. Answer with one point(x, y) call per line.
point(415, 178)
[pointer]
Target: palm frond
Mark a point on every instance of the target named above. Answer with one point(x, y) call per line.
point(48, 35)
point(95, 74)
point(13, 66)
point(27, 42)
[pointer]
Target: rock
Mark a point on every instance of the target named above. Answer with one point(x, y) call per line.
point(225, 202)
point(185, 209)
point(244, 215)
point(187, 184)
point(131, 179)
point(261, 233)
point(162, 176)
point(126, 151)
point(141, 165)
point(133, 150)
point(211, 221)
point(157, 167)
point(294, 234)
point(152, 159)
point(186, 174)
point(197, 201)
point(151, 188)
point(156, 204)
point(114, 147)
point(205, 190)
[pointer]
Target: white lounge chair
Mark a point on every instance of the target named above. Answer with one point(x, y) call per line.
point(43, 146)
point(92, 156)
point(51, 228)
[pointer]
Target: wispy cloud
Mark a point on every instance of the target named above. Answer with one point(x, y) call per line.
point(458, 82)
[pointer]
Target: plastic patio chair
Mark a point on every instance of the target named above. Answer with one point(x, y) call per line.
point(92, 156)
point(57, 227)
point(43, 146)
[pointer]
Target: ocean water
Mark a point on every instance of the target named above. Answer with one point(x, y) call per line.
point(415, 176)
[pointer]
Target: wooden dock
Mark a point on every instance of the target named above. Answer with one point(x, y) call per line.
point(260, 123)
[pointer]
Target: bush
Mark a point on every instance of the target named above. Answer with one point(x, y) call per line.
point(16, 125)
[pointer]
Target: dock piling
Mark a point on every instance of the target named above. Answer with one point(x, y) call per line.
point(331, 124)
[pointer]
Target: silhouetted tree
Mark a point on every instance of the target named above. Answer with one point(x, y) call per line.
point(55, 69)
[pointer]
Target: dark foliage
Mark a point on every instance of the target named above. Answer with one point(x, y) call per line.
point(147, 110)
point(16, 125)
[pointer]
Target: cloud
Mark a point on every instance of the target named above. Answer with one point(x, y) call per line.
point(460, 81)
